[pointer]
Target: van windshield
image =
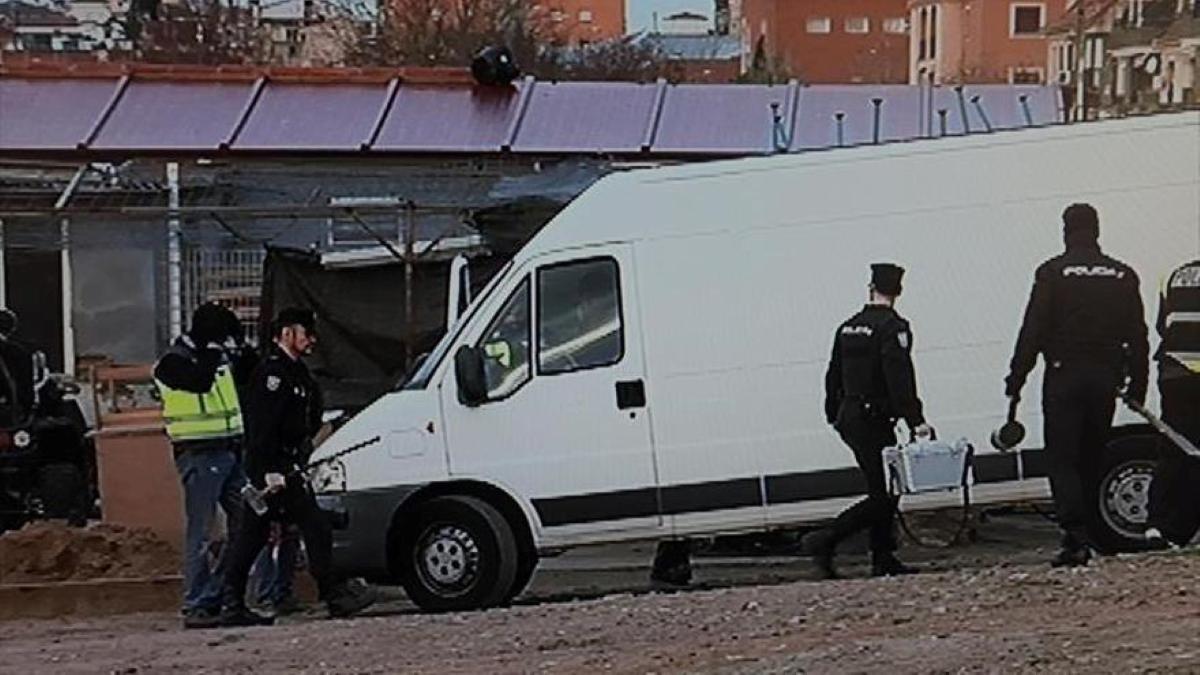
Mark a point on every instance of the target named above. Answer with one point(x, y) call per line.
point(420, 379)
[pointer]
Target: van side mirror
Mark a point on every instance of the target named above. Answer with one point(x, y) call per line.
point(469, 374)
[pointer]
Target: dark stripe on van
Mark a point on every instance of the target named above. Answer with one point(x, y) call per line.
point(598, 506)
point(995, 468)
point(786, 488)
point(1036, 463)
point(726, 494)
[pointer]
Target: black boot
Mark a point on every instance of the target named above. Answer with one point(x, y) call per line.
point(202, 617)
point(821, 546)
point(1072, 556)
point(240, 616)
point(672, 565)
point(347, 600)
point(888, 565)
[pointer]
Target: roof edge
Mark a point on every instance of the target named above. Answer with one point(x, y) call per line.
point(237, 73)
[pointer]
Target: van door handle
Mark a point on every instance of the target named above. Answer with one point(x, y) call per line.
point(631, 394)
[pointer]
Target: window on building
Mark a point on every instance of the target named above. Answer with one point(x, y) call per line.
point(820, 24)
point(858, 24)
point(895, 26)
point(556, 15)
point(922, 34)
point(933, 31)
point(579, 316)
point(1027, 20)
point(585, 16)
point(1025, 76)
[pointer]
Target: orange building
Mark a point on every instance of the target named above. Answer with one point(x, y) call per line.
point(979, 41)
point(582, 22)
point(827, 41)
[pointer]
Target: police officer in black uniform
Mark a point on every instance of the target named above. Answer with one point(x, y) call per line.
point(870, 384)
point(1174, 512)
point(282, 415)
point(1085, 318)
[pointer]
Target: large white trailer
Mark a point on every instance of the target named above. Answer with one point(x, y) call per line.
point(651, 364)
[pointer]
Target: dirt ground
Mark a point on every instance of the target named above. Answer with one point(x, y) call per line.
point(994, 606)
point(53, 551)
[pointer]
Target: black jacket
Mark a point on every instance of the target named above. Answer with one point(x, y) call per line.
point(1085, 307)
point(871, 366)
point(189, 367)
point(283, 413)
point(16, 380)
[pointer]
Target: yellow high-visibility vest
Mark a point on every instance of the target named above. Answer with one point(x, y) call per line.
point(197, 417)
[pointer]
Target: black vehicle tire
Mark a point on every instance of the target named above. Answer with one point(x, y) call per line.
point(458, 553)
point(525, 569)
point(63, 492)
point(1119, 501)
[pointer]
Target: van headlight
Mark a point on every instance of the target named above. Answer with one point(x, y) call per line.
point(328, 477)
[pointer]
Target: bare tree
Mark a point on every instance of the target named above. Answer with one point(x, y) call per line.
point(615, 60)
point(445, 32)
point(451, 32)
point(200, 31)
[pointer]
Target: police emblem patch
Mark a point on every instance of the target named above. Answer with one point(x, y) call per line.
point(902, 338)
point(273, 383)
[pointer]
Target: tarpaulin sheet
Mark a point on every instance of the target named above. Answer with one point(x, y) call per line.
point(361, 327)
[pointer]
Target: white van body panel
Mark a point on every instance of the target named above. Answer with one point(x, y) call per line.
point(734, 276)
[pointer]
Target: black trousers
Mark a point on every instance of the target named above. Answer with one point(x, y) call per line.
point(1174, 507)
point(877, 511)
point(296, 505)
point(1078, 402)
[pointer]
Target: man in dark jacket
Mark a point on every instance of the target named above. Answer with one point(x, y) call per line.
point(869, 385)
point(16, 373)
point(197, 382)
point(1085, 318)
point(282, 417)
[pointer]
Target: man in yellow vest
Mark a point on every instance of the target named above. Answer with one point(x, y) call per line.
point(1174, 510)
point(203, 416)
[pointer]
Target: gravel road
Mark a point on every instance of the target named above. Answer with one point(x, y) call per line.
point(992, 606)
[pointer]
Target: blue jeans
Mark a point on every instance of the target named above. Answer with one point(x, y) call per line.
point(210, 477)
point(275, 567)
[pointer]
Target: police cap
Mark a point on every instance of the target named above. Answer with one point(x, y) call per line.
point(885, 278)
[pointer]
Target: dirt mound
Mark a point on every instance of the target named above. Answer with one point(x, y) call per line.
point(52, 551)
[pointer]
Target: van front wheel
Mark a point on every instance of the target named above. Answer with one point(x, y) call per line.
point(458, 554)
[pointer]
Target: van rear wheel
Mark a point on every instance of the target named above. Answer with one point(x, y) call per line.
point(1121, 497)
point(458, 554)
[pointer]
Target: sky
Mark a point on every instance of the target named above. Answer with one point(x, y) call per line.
point(641, 12)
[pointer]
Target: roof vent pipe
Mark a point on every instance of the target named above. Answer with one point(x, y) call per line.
point(962, 109)
point(982, 114)
point(878, 103)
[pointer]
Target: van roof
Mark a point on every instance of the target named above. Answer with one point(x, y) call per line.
point(739, 194)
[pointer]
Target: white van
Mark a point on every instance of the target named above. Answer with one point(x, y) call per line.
point(651, 364)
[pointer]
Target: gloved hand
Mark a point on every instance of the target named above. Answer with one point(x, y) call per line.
point(1012, 387)
point(924, 432)
point(276, 482)
point(1136, 394)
